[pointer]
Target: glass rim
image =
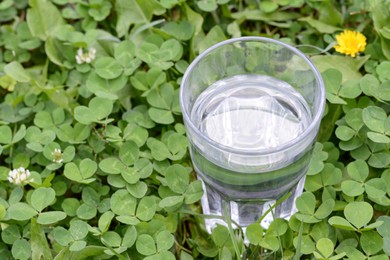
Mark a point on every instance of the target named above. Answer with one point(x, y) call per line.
point(264, 151)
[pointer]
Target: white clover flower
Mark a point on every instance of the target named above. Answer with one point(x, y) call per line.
point(79, 56)
point(88, 57)
point(19, 176)
point(57, 155)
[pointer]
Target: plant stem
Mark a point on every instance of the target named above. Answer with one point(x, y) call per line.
point(216, 17)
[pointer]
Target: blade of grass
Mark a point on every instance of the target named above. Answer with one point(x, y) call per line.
point(277, 203)
point(228, 220)
point(298, 253)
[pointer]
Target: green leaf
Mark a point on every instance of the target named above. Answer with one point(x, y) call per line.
point(350, 89)
point(374, 118)
point(62, 236)
point(146, 208)
point(129, 153)
point(108, 68)
point(112, 165)
point(358, 170)
point(135, 133)
point(194, 18)
point(194, 192)
point(128, 220)
point(43, 19)
point(129, 237)
point(378, 137)
point(171, 201)
point(325, 247)
point(332, 79)
point(270, 242)
point(39, 245)
point(306, 203)
point(50, 217)
point(348, 66)
point(384, 231)
point(158, 149)
point(268, 6)
point(122, 203)
point(320, 26)
point(101, 11)
point(73, 135)
point(146, 245)
point(90, 196)
point(345, 133)
point(171, 50)
point(16, 71)
point(98, 109)
point(371, 242)
point(383, 70)
point(144, 167)
point(134, 12)
point(124, 53)
point(160, 57)
point(85, 211)
point(10, 234)
point(138, 189)
point(77, 246)
point(21, 211)
point(78, 229)
point(182, 30)
point(370, 85)
point(376, 188)
point(340, 222)
point(70, 205)
point(325, 209)
point(379, 160)
point(220, 235)
point(111, 238)
point(214, 36)
point(254, 233)
point(130, 175)
point(177, 144)
point(105, 221)
point(207, 5)
point(82, 174)
point(161, 116)
point(59, 52)
point(352, 188)
point(165, 241)
point(5, 134)
point(316, 162)
point(359, 213)
point(177, 178)
point(106, 88)
point(42, 198)
point(21, 249)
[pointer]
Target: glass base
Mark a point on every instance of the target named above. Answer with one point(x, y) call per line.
point(245, 212)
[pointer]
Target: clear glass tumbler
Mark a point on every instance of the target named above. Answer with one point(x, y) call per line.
point(252, 107)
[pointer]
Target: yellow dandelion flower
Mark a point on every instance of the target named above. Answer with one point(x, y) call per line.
point(350, 42)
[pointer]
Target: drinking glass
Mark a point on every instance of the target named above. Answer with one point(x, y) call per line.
point(252, 107)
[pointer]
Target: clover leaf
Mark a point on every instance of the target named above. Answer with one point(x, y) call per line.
point(378, 122)
point(160, 56)
point(316, 161)
point(81, 173)
point(182, 30)
point(97, 111)
point(306, 204)
point(108, 68)
point(353, 221)
point(105, 88)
